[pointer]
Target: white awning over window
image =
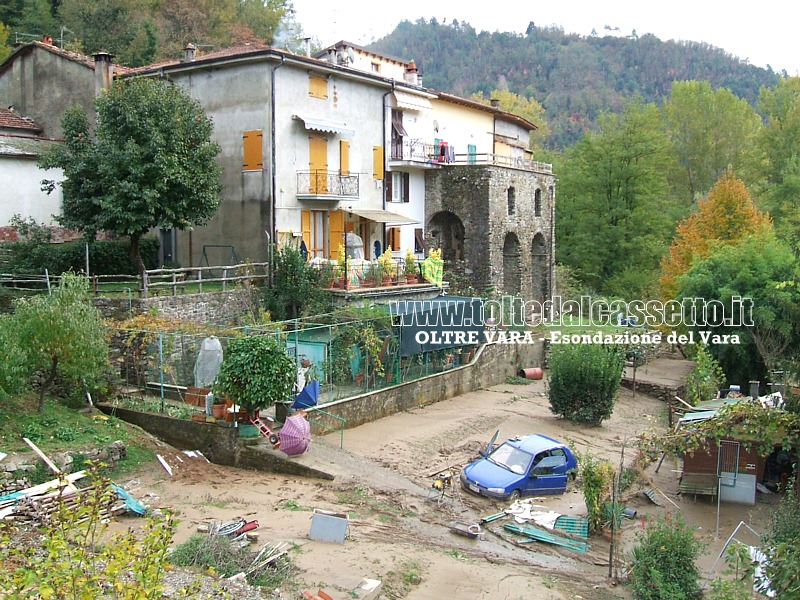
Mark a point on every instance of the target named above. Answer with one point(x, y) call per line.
point(381, 216)
point(411, 101)
point(324, 126)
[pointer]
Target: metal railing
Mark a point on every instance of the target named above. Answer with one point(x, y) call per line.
point(413, 151)
point(499, 160)
point(327, 183)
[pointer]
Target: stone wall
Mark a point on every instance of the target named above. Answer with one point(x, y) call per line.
point(216, 442)
point(209, 307)
point(506, 243)
point(15, 469)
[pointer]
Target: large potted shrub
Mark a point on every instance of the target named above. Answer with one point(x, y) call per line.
point(255, 373)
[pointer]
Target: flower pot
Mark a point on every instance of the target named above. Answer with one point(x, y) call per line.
point(411, 279)
point(218, 410)
point(386, 281)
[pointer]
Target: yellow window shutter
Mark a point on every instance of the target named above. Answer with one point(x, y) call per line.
point(377, 162)
point(317, 86)
point(395, 238)
point(344, 157)
point(253, 150)
point(336, 232)
point(305, 228)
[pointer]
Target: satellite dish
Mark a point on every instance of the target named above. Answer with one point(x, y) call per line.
point(436, 126)
point(351, 55)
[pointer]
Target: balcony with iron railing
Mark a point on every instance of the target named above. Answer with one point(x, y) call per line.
point(326, 185)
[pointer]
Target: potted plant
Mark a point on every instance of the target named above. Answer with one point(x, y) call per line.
point(374, 275)
point(388, 268)
point(256, 372)
point(411, 267)
point(341, 263)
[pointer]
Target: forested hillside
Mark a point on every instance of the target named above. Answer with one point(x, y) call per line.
point(138, 32)
point(573, 77)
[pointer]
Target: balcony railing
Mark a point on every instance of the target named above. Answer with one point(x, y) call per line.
point(416, 150)
point(327, 183)
point(499, 160)
point(413, 151)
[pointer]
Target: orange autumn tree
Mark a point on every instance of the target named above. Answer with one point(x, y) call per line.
point(724, 217)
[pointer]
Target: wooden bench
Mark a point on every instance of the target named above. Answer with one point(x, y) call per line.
point(703, 484)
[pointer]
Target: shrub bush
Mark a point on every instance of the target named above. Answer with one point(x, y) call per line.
point(255, 373)
point(663, 565)
point(706, 378)
point(106, 257)
point(584, 381)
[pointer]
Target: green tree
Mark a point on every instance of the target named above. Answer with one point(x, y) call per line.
point(14, 377)
point(614, 216)
point(122, 27)
point(584, 381)
point(5, 50)
point(256, 372)
point(295, 285)
point(711, 131)
point(78, 558)
point(664, 562)
point(780, 138)
point(706, 378)
point(62, 334)
point(781, 543)
point(151, 163)
point(763, 269)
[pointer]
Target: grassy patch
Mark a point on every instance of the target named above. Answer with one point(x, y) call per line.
point(362, 498)
point(398, 583)
point(292, 505)
point(62, 429)
point(217, 553)
point(517, 380)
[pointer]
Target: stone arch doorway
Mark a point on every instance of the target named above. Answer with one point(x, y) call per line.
point(512, 272)
point(539, 269)
point(447, 233)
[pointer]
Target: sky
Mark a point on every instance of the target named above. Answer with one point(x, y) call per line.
point(763, 32)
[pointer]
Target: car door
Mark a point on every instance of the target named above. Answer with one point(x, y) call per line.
point(549, 475)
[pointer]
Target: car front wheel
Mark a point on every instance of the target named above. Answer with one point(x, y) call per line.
point(514, 496)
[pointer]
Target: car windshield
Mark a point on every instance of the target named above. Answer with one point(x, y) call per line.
point(513, 459)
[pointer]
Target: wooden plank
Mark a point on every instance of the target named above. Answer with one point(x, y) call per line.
point(50, 464)
point(164, 464)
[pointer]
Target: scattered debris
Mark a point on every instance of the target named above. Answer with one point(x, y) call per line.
point(50, 464)
point(329, 526)
point(164, 464)
point(540, 535)
point(471, 531)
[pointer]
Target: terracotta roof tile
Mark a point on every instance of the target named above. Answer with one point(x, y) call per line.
point(14, 120)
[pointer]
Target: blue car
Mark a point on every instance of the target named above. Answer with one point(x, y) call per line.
point(531, 465)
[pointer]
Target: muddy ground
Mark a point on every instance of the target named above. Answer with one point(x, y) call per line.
point(399, 532)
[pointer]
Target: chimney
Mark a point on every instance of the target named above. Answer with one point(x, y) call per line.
point(103, 72)
point(412, 74)
point(495, 102)
point(189, 52)
point(307, 45)
point(47, 39)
